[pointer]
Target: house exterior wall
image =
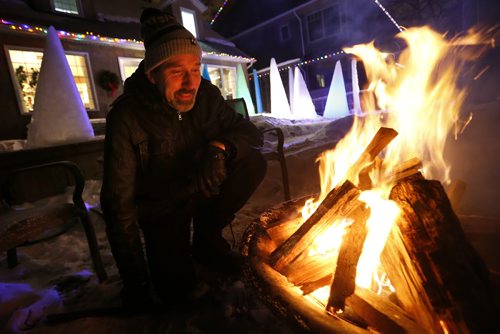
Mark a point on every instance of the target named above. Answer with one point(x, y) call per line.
point(100, 56)
point(361, 21)
point(300, 46)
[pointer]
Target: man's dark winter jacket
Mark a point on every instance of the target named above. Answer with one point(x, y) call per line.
point(151, 155)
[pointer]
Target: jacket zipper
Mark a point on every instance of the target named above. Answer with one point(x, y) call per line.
point(179, 116)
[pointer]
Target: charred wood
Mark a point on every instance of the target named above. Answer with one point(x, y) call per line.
point(438, 276)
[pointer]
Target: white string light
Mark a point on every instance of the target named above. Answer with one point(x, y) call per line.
point(388, 15)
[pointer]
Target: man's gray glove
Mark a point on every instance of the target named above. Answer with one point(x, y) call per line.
point(213, 171)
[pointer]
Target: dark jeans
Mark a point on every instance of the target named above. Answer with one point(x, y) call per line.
point(167, 238)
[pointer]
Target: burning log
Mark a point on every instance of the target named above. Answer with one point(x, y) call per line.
point(406, 169)
point(280, 232)
point(344, 279)
point(338, 203)
point(281, 296)
point(309, 287)
point(311, 269)
point(379, 142)
point(438, 276)
point(382, 314)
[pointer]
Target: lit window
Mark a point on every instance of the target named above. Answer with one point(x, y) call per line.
point(25, 67)
point(128, 66)
point(189, 21)
point(320, 78)
point(224, 78)
point(66, 6)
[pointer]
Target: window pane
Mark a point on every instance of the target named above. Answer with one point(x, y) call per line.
point(66, 6)
point(320, 79)
point(225, 79)
point(229, 82)
point(128, 65)
point(78, 67)
point(188, 21)
point(331, 20)
point(315, 26)
point(215, 76)
point(26, 67)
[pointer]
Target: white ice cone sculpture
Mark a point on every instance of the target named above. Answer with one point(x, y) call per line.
point(58, 114)
point(243, 91)
point(336, 102)
point(279, 102)
point(355, 88)
point(290, 89)
point(302, 104)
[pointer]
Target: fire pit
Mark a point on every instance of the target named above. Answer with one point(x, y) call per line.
point(380, 248)
point(451, 302)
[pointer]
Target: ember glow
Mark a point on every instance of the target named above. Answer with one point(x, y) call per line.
point(416, 94)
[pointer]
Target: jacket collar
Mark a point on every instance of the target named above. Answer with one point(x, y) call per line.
point(139, 87)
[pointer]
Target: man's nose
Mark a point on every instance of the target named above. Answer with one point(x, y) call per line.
point(189, 79)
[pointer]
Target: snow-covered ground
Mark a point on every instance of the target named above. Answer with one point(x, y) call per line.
point(56, 276)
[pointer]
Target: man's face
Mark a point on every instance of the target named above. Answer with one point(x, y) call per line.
point(178, 79)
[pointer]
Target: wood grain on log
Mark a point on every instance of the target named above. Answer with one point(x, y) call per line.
point(438, 276)
point(379, 142)
point(337, 204)
point(344, 278)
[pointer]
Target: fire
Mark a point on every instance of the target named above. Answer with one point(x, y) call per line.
point(383, 214)
point(415, 93)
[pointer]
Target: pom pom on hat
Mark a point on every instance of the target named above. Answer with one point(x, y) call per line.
point(164, 37)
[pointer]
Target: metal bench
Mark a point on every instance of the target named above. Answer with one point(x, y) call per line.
point(22, 225)
point(240, 107)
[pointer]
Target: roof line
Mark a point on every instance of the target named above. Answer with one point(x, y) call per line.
point(244, 32)
point(283, 63)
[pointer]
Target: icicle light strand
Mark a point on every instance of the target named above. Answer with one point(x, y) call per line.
point(400, 28)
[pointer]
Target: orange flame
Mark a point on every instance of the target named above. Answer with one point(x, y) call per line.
point(415, 93)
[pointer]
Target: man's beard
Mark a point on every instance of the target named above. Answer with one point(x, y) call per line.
point(182, 104)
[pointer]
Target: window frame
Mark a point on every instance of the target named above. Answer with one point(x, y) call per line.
point(324, 33)
point(122, 62)
point(78, 8)
point(17, 88)
point(195, 19)
point(234, 70)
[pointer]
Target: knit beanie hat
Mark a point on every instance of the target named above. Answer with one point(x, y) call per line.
point(164, 37)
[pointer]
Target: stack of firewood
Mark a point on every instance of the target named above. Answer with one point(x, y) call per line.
point(441, 283)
